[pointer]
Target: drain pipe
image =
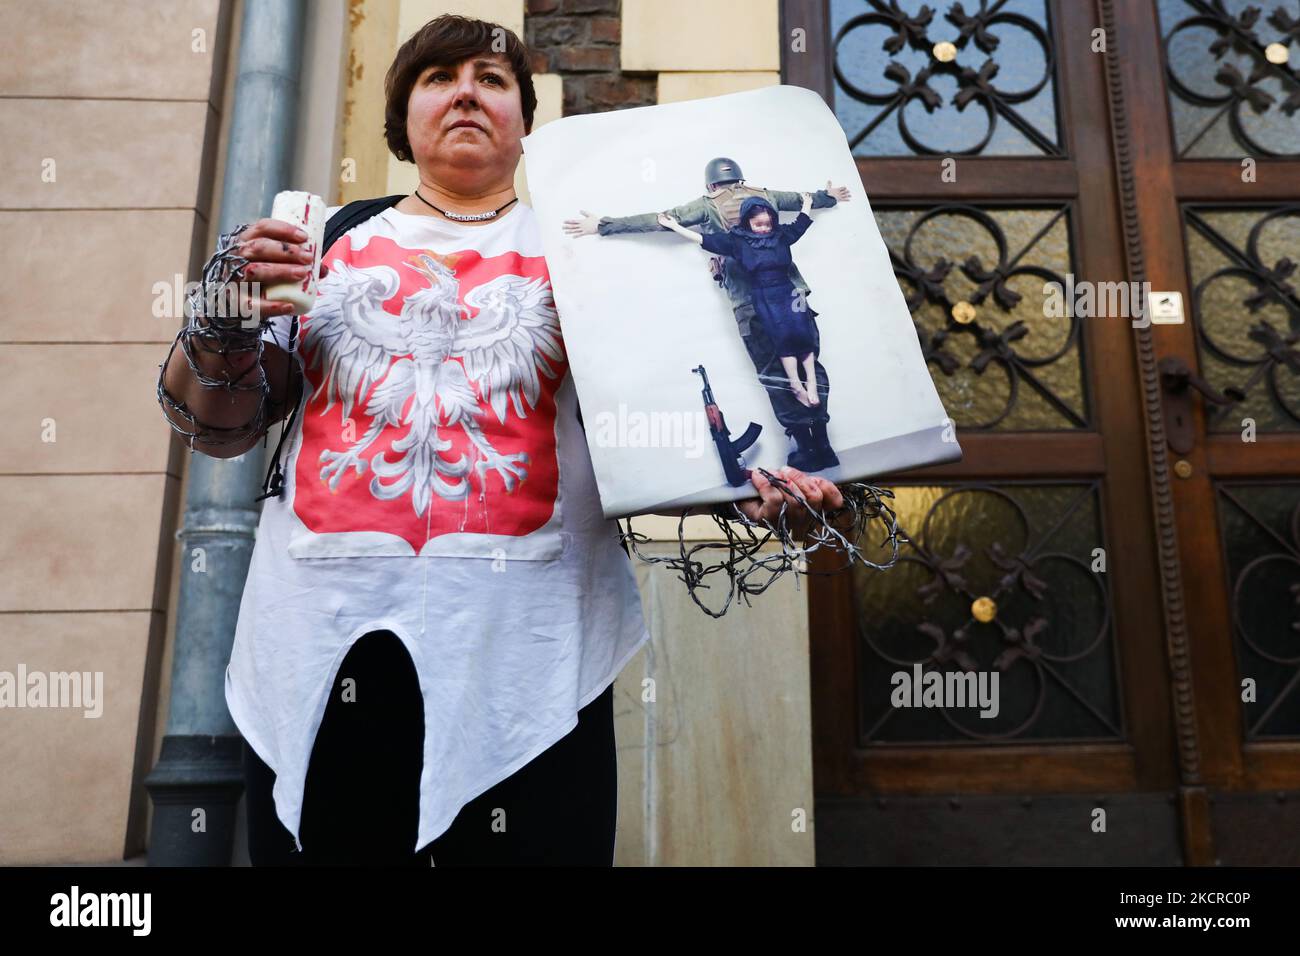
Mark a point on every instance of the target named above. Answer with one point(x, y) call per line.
point(196, 784)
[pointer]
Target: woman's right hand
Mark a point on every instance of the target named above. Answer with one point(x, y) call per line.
point(276, 252)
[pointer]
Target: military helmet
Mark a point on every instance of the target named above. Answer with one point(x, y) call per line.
point(722, 170)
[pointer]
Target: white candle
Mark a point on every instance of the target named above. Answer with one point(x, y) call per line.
point(307, 212)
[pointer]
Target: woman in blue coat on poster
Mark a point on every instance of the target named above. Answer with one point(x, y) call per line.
point(760, 246)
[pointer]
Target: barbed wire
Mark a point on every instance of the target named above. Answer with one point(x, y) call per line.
point(740, 543)
point(215, 323)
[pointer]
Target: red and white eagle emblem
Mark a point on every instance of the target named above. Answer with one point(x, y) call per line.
point(432, 402)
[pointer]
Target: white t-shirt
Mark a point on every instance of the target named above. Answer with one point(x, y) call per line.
point(437, 485)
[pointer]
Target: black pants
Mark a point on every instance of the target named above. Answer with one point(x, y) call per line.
point(790, 412)
point(361, 798)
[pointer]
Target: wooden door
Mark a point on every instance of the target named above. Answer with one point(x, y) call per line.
point(1216, 218)
point(1008, 146)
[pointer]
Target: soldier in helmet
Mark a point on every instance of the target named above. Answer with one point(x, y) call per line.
point(716, 212)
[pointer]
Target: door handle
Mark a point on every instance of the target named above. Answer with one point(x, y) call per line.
point(1177, 385)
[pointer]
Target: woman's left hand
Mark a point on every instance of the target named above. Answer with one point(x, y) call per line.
point(820, 494)
point(666, 220)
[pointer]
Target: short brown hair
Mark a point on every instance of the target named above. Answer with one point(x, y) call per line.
point(449, 39)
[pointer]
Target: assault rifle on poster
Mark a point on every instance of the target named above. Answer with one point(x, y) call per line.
point(729, 449)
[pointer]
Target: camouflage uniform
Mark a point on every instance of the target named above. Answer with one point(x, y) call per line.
point(715, 213)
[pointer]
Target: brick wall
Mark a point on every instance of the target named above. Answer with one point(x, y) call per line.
point(580, 41)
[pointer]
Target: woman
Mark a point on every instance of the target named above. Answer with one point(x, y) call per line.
point(759, 246)
point(427, 640)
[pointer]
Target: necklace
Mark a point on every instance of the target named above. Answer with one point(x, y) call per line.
point(460, 216)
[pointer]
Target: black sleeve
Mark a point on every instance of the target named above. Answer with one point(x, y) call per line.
point(791, 232)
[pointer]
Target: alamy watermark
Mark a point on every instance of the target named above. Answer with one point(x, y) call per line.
point(946, 689)
point(237, 299)
point(75, 908)
point(1103, 300)
point(656, 429)
point(56, 689)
